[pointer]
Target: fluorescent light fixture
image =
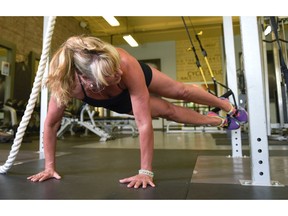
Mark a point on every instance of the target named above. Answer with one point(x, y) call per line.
point(111, 20)
point(267, 30)
point(130, 40)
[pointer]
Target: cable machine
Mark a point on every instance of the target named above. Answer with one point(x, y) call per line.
point(279, 77)
point(283, 79)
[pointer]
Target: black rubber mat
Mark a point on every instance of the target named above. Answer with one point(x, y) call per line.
point(93, 174)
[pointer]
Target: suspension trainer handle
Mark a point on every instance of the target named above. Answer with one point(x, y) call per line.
point(226, 95)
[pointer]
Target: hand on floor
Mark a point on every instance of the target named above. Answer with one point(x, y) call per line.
point(138, 180)
point(44, 175)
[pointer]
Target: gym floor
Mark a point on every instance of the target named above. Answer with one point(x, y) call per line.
point(187, 166)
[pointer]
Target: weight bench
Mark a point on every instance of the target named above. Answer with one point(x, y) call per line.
point(69, 121)
point(109, 124)
point(101, 126)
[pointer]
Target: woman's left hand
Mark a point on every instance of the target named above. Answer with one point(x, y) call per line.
point(138, 180)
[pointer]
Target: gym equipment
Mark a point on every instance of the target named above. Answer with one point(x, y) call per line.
point(276, 79)
point(175, 127)
point(101, 126)
point(13, 114)
point(69, 121)
point(229, 92)
point(6, 133)
point(32, 99)
point(196, 56)
point(284, 69)
point(259, 151)
point(112, 123)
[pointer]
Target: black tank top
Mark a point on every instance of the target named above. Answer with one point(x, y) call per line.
point(122, 102)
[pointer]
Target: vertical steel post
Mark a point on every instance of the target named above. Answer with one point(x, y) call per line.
point(260, 167)
point(278, 83)
point(44, 98)
point(232, 79)
point(263, 49)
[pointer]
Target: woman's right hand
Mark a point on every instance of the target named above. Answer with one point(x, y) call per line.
point(44, 175)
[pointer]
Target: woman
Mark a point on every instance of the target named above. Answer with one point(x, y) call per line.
point(101, 75)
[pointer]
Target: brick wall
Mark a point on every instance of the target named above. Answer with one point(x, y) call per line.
point(27, 33)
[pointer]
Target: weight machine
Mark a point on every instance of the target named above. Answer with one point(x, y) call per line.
point(276, 130)
point(101, 126)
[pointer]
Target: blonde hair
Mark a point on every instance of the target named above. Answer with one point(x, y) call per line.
point(83, 54)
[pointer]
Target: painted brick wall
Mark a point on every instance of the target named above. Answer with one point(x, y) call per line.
point(27, 33)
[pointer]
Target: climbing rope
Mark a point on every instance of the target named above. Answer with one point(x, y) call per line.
point(33, 97)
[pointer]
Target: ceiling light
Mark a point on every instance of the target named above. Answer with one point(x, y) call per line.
point(267, 30)
point(83, 24)
point(130, 40)
point(111, 20)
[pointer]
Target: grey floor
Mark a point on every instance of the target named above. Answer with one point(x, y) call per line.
point(188, 166)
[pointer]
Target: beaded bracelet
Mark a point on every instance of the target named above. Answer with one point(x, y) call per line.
point(146, 172)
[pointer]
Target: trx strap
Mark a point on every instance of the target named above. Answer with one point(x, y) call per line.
point(204, 53)
point(196, 56)
point(283, 65)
